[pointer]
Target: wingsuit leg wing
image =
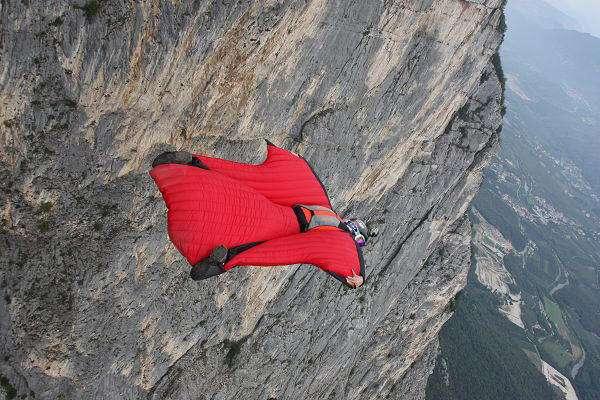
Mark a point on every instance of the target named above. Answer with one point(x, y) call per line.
point(207, 209)
point(284, 178)
point(333, 251)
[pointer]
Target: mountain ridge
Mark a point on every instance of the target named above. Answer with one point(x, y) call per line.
point(536, 222)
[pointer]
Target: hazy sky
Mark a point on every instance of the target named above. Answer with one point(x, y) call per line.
point(586, 12)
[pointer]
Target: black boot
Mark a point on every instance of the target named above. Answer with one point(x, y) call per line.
point(178, 157)
point(211, 266)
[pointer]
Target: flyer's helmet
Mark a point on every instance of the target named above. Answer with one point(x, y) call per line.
point(358, 229)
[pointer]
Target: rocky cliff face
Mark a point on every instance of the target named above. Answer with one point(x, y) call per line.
point(395, 103)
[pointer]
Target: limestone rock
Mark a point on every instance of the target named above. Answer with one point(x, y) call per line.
point(396, 104)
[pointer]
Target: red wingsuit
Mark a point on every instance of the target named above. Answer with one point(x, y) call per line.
point(249, 209)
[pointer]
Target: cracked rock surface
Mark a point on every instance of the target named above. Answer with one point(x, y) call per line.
point(396, 104)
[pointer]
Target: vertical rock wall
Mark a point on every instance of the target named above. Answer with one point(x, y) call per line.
point(395, 104)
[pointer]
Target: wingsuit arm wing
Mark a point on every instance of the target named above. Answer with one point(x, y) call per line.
point(284, 178)
point(333, 251)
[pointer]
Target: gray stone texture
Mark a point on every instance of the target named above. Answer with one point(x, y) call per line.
point(395, 104)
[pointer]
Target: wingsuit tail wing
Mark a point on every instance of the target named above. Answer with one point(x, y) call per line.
point(207, 209)
point(284, 178)
point(333, 251)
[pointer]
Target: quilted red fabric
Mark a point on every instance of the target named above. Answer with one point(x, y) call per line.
point(332, 251)
point(233, 204)
point(284, 178)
